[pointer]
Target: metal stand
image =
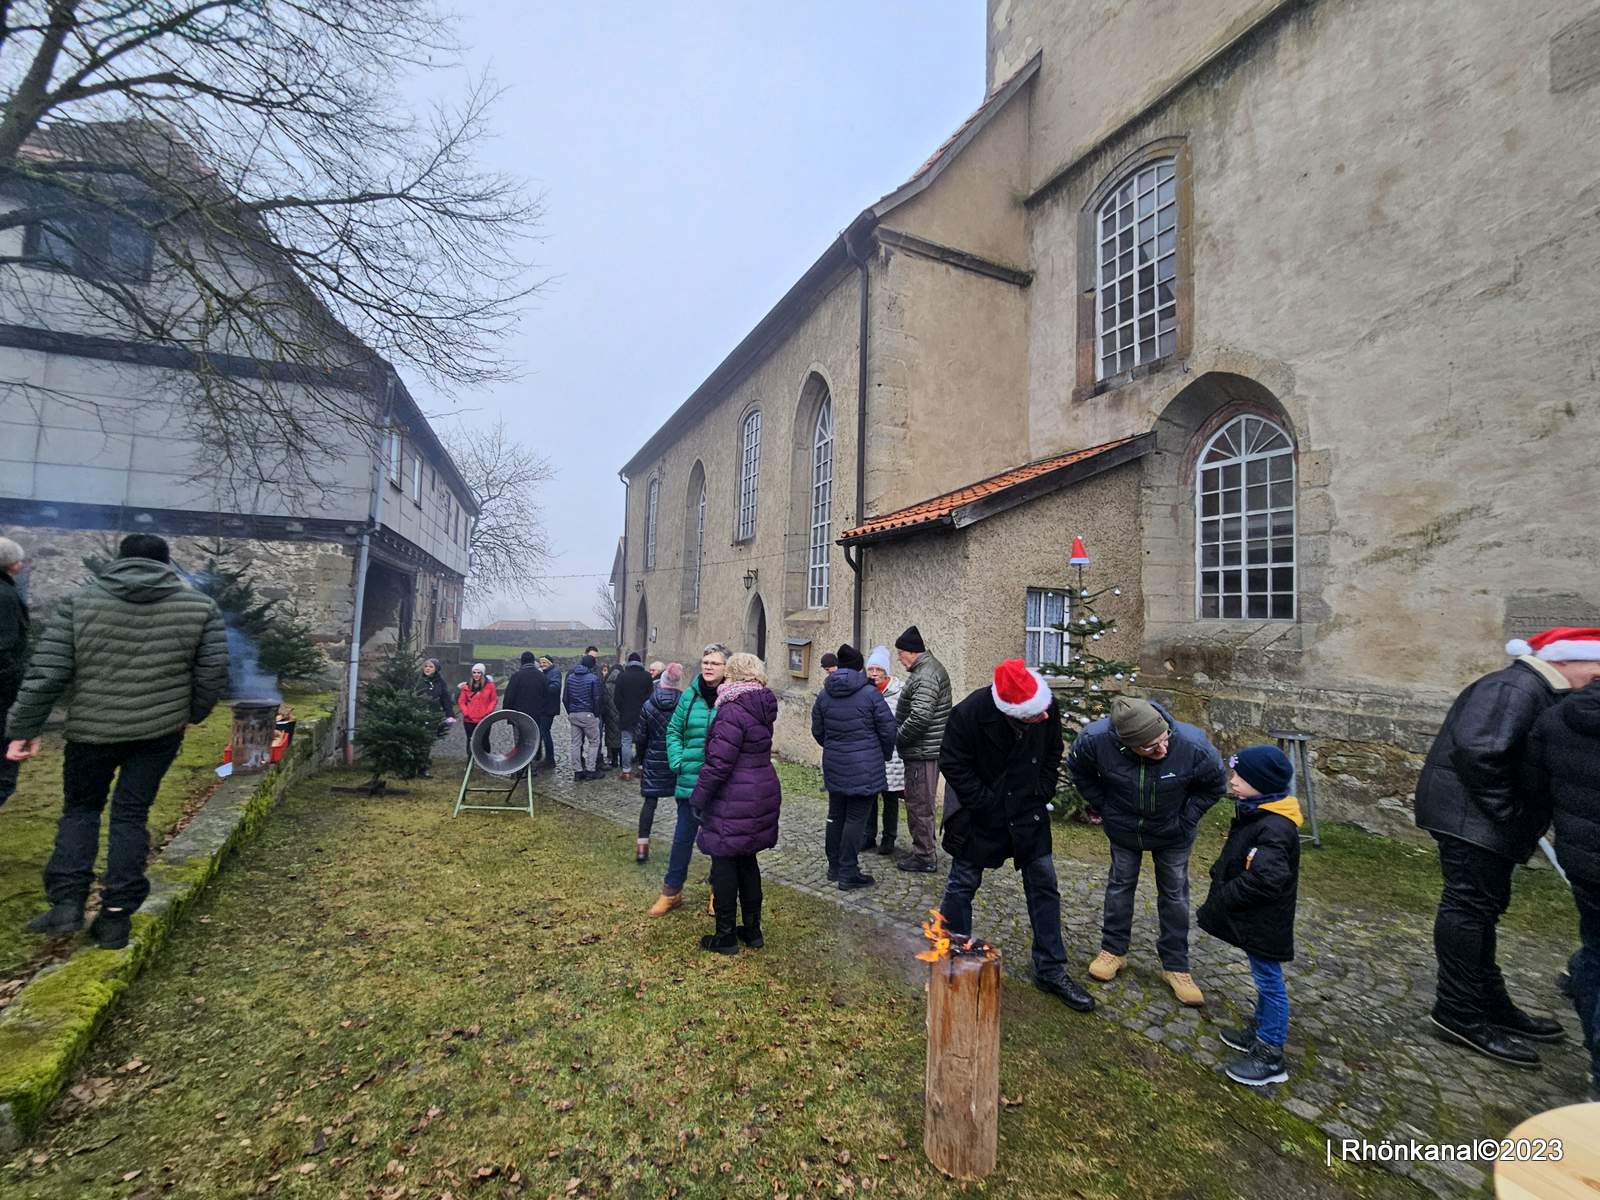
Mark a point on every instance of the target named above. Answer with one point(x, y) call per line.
point(505, 804)
point(1298, 747)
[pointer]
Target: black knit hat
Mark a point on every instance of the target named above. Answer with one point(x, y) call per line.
point(527, 657)
point(911, 641)
point(1265, 768)
point(830, 660)
point(634, 657)
point(850, 658)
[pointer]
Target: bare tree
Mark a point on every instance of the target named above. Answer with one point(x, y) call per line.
point(608, 609)
point(239, 184)
point(509, 544)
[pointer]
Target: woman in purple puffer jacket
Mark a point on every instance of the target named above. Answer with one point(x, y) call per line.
point(737, 798)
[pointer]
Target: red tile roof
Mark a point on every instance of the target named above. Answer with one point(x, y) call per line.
point(945, 509)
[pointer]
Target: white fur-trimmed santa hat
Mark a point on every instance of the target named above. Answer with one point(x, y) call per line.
point(1562, 644)
point(1018, 691)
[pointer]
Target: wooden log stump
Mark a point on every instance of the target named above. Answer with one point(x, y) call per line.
point(961, 1107)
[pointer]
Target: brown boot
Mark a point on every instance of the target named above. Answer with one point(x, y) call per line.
point(665, 904)
point(1105, 966)
point(1183, 987)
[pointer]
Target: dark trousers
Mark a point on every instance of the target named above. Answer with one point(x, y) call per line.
point(86, 778)
point(736, 882)
point(547, 741)
point(8, 774)
point(1172, 903)
point(1477, 889)
point(1585, 969)
point(468, 727)
point(847, 821)
point(891, 819)
point(1044, 909)
point(647, 816)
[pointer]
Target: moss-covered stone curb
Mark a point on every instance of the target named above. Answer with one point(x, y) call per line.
point(48, 1027)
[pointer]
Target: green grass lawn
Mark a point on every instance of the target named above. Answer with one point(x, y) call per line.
point(375, 1000)
point(28, 822)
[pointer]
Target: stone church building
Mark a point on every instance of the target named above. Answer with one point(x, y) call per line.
point(1287, 308)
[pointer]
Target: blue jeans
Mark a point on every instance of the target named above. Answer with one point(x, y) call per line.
point(683, 835)
point(1272, 1001)
point(547, 742)
point(1044, 909)
point(1585, 970)
point(627, 749)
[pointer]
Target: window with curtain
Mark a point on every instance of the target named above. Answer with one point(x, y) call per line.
point(1042, 641)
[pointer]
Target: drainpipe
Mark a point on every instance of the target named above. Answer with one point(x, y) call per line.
point(363, 557)
point(859, 564)
point(622, 600)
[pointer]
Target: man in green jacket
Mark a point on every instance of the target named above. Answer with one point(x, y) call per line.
point(138, 655)
point(922, 713)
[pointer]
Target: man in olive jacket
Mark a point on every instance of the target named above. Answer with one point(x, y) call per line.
point(923, 710)
point(139, 655)
point(1480, 797)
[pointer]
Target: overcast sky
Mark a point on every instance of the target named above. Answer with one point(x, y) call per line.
point(695, 159)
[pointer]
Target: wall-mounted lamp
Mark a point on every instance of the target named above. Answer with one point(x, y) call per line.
point(750, 578)
point(638, 585)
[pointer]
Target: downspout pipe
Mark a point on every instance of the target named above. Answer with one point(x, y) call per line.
point(859, 564)
point(622, 600)
point(363, 558)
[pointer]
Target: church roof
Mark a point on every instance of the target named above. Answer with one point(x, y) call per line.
point(999, 493)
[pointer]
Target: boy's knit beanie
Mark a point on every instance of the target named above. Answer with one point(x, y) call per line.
point(1265, 768)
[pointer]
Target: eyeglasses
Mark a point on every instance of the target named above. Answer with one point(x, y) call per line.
point(1155, 745)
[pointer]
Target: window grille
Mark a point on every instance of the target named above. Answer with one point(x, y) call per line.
point(1136, 294)
point(1245, 523)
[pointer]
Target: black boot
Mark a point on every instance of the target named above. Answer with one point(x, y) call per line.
point(1063, 988)
point(1526, 1026)
point(1239, 1039)
point(60, 918)
point(1263, 1064)
point(833, 874)
point(1488, 1041)
point(750, 935)
point(111, 927)
point(856, 881)
point(721, 943)
point(886, 847)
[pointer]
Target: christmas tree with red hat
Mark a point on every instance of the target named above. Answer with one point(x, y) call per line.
point(1092, 680)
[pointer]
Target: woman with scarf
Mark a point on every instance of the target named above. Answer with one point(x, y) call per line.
point(686, 748)
point(477, 699)
point(736, 798)
point(895, 769)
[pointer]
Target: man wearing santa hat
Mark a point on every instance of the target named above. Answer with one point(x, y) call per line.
point(1001, 750)
point(1479, 799)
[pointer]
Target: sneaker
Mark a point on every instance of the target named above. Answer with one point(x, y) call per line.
point(750, 937)
point(1183, 987)
point(641, 852)
point(1527, 1026)
point(1105, 966)
point(921, 866)
point(111, 927)
point(665, 904)
point(1263, 1064)
point(1065, 989)
point(720, 943)
point(857, 881)
point(64, 917)
point(1488, 1041)
point(1239, 1039)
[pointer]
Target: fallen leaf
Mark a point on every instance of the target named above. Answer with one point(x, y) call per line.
point(132, 1175)
point(574, 1184)
point(562, 1105)
point(306, 1168)
point(843, 1158)
point(1010, 1101)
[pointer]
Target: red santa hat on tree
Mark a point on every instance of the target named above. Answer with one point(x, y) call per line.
point(1018, 691)
point(1563, 644)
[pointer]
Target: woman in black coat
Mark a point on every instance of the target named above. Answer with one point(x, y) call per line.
point(852, 723)
point(656, 778)
point(433, 689)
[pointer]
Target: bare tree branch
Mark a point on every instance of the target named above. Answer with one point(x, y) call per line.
point(510, 546)
point(608, 609)
point(293, 209)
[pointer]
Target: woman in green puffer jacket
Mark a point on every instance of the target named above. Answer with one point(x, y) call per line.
point(686, 751)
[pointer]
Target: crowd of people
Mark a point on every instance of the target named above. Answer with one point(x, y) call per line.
point(137, 655)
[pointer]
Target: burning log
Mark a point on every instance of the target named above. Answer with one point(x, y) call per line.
point(254, 723)
point(961, 1100)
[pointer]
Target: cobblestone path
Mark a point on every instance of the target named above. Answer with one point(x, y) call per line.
point(1364, 1060)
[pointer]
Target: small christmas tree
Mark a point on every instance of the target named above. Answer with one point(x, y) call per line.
point(398, 723)
point(288, 649)
point(1095, 679)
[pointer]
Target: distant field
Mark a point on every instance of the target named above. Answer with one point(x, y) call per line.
point(487, 650)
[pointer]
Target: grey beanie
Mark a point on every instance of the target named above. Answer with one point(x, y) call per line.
point(1137, 722)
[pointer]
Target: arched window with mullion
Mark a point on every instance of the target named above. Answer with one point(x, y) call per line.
point(749, 475)
point(652, 508)
point(1245, 523)
point(817, 578)
point(699, 548)
point(1136, 285)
